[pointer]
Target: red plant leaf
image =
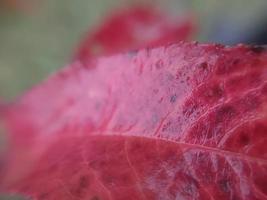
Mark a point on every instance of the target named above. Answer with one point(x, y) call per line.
point(185, 121)
point(134, 28)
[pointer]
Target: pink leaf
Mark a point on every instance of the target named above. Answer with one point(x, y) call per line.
point(184, 121)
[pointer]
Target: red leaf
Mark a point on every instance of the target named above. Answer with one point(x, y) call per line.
point(134, 28)
point(185, 121)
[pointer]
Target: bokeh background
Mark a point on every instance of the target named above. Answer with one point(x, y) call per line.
point(39, 36)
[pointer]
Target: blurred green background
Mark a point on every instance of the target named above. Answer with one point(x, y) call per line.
point(35, 43)
point(32, 45)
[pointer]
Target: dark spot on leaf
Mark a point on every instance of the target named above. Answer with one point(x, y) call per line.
point(225, 185)
point(95, 198)
point(244, 139)
point(190, 188)
point(81, 187)
point(219, 46)
point(236, 61)
point(84, 181)
point(203, 66)
point(257, 49)
point(173, 98)
point(225, 113)
point(132, 53)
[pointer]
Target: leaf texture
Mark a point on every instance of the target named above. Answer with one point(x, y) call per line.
point(184, 121)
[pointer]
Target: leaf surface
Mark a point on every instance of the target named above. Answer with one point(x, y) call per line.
point(185, 121)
